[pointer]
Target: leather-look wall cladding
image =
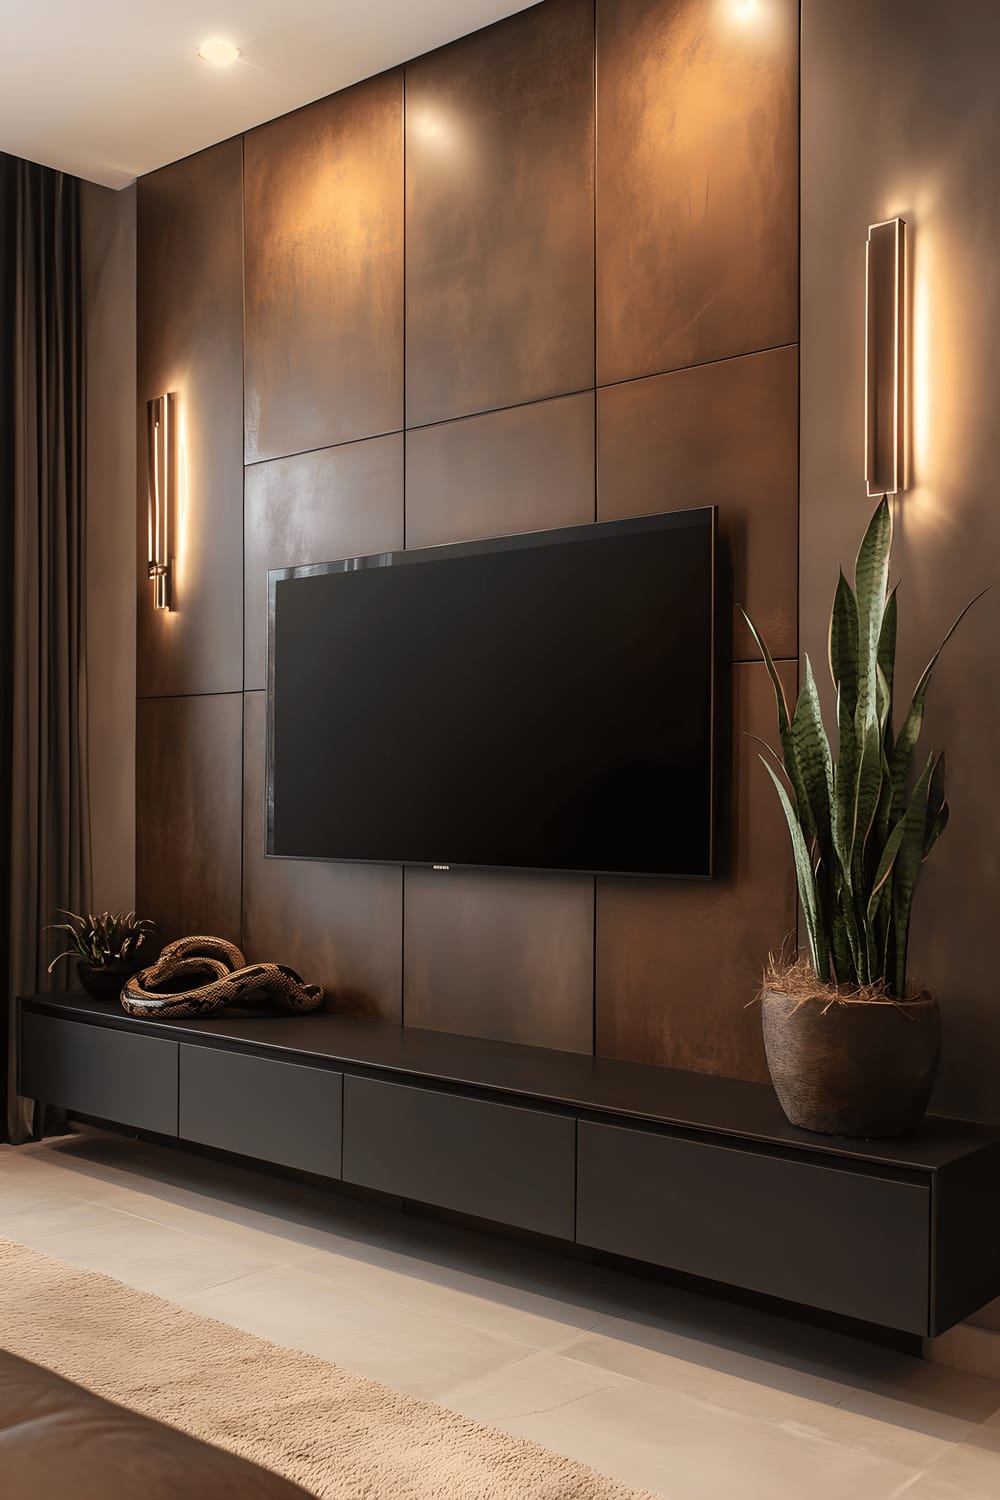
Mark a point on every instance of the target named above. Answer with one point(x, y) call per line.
point(697, 182)
point(500, 215)
point(323, 191)
point(544, 275)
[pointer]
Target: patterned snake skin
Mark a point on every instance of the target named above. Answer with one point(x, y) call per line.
point(217, 974)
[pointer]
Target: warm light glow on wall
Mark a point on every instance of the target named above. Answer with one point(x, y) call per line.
point(442, 130)
point(886, 359)
point(161, 482)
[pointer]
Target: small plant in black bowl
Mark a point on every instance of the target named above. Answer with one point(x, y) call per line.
point(107, 948)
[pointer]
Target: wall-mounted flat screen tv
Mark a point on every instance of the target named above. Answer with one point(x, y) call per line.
point(541, 701)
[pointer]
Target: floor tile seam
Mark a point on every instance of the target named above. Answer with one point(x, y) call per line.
point(900, 1491)
point(543, 1411)
point(204, 1237)
point(776, 1427)
point(772, 1420)
point(470, 1385)
point(64, 1191)
point(224, 1241)
point(395, 1303)
point(144, 1218)
point(475, 1327)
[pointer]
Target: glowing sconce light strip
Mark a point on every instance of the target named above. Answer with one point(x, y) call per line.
point(885, 358)
point(161, 485)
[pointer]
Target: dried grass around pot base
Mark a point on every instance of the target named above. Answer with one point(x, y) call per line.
point(797, 979)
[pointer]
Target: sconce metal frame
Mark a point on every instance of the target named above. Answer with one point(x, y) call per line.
point(161, 484)
point(885, 359)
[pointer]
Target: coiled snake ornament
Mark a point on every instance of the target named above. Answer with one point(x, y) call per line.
point(216, 975)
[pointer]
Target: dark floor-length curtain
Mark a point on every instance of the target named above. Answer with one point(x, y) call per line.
point(45, 852)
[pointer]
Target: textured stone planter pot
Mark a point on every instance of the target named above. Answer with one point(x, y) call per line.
point(855, 1068)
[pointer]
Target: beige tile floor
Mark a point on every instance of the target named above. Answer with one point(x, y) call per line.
point(693, 1398)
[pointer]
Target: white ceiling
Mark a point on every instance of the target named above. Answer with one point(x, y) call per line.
point(109, 89)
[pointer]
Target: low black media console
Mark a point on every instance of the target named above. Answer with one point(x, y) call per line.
point(697, 1174)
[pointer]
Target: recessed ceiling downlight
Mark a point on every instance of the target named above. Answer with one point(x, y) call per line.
point(218, 51)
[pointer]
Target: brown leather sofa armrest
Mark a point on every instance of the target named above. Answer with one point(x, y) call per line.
point(61, 1442)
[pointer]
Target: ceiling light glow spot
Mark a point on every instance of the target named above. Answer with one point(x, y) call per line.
point(219, 52)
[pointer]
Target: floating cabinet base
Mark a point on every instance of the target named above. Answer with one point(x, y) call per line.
point(702, 1176)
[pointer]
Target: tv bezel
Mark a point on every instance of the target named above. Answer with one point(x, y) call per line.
point(516, 541)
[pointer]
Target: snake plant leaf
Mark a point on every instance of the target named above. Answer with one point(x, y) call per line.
point(843, 964)
point(871, 582)
point(845, 787)
point(936, 828)
point(769, 748)
point(937, 806)
point(883, 704)
point(902, 755)
point(784, 718)
point(843, 646)
point(855, 938)
point(860, 756)
point(793, 769)
point(880, 885)
point(886, 655)
point(805, 877)
point(814, 763)
point(869, 788)
point(908, 861)
point(883, 813)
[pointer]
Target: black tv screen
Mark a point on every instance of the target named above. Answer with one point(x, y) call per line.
point(542, 701)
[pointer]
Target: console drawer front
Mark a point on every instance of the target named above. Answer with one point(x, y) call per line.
point(94, 1070)
point(286, 1113)
point(848, 1242)
point(495, 1161)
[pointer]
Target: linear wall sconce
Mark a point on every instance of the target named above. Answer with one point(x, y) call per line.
point(161, 484)
point(885, 359)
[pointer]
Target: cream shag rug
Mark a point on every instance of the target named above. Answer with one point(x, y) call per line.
point(335, 1433)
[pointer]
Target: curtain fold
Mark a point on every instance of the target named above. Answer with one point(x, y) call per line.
point(44, 503)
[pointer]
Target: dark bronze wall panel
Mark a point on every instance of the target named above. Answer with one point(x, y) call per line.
point(678, 962)
point(500, 954)
point(458, 195)
point(324, 272)
point(499, 215)
point(190, 342)
point(315, 507)
point(339, 925)
point(188, 814)
point(697, 191)
point(516, 470)
point(723, 434)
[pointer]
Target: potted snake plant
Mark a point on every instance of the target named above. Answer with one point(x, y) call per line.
point(852, 1043)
